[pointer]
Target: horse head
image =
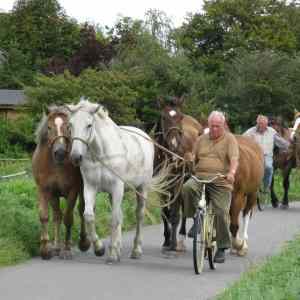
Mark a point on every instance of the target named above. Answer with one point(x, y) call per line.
point(58, 133)
point(82, 126)
point(171, 127)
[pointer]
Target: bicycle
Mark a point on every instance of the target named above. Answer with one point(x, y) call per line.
point(204, 233)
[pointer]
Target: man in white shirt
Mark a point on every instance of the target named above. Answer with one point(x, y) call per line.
point(267, 137)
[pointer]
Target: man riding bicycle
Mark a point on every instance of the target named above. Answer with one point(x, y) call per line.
point(215, 152)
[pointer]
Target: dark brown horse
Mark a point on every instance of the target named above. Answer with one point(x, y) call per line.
point(283, 161)
point(56, 177)
point(177, 132)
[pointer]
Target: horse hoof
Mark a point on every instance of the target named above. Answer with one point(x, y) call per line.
point(46, 255)
point(274, 204)
point(66, 254)
point(170, 254)
point(56, 251)
point(166, 245)
point(100, 252)
point(242, 252)
point(237, 244)
point(112, 260)
point(135, 254)
point(181, 247)
point(284, 206)
point(84, 245)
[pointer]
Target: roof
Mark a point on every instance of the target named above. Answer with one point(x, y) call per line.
point(12, 97)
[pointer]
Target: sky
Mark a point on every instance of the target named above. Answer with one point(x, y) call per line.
point(107, 12)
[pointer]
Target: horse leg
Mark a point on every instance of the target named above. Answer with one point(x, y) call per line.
point(114, 254)
point(167, 231)
point(57, 217)
point(140, 211)
point(84, 243)
point(274, 199)
point(286, 185)
point(89, 217)
point(43, 199)
point(250, 203)
point(68, 221)
point(235, 209)
point(174, 219)
point(181, 247)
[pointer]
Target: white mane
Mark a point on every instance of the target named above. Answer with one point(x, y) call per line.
point(85, 105)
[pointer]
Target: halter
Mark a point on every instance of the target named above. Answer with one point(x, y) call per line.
point(82, 140)
point(52, 141)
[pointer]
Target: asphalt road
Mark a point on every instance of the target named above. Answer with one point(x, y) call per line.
point(87, 277)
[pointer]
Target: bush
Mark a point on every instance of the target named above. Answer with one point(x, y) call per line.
point(17, 137)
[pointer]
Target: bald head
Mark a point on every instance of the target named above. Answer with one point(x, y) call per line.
point(261, 123)
point(216, 115)
point(216, 124)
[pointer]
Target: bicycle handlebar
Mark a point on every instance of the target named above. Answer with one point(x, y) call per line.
point(219, 175)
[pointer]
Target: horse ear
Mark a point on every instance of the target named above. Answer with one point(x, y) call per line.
point(69, 107)
point(179, 100)
point(160, 102)
point(47, 110)
point(97, 108)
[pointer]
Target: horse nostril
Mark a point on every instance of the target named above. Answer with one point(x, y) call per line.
point(76, 159)
point(60, 154)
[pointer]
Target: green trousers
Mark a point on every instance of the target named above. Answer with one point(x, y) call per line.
point(220, 198)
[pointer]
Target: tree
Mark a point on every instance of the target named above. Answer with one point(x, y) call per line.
point(260, 82)
point(160, 26)
point(228, 26)
point(43, 30)
point(92, 53)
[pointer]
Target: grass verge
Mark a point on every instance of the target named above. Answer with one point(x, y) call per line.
point(277, 279)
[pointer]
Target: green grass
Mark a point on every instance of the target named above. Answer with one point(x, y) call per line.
point(277, 279)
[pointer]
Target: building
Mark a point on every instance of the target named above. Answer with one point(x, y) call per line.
point(12, 104)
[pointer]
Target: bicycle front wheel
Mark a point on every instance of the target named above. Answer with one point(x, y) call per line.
point(211, 240)
point(199, 242)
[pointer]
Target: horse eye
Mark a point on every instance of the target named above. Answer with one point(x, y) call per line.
point(89, 126)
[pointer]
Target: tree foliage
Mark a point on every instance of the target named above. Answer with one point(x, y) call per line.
point(261, 82)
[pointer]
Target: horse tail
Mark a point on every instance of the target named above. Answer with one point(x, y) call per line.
point(160, 183)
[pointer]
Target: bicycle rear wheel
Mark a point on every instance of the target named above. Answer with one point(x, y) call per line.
point(199, 242)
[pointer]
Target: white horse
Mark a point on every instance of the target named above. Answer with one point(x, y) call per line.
point(110, 157)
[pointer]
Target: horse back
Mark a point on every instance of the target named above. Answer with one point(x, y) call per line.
point(191, 125)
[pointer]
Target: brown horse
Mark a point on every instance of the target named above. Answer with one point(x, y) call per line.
point(56, 177)
point(283, 161)
point(177, 132)
point(244, 196)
